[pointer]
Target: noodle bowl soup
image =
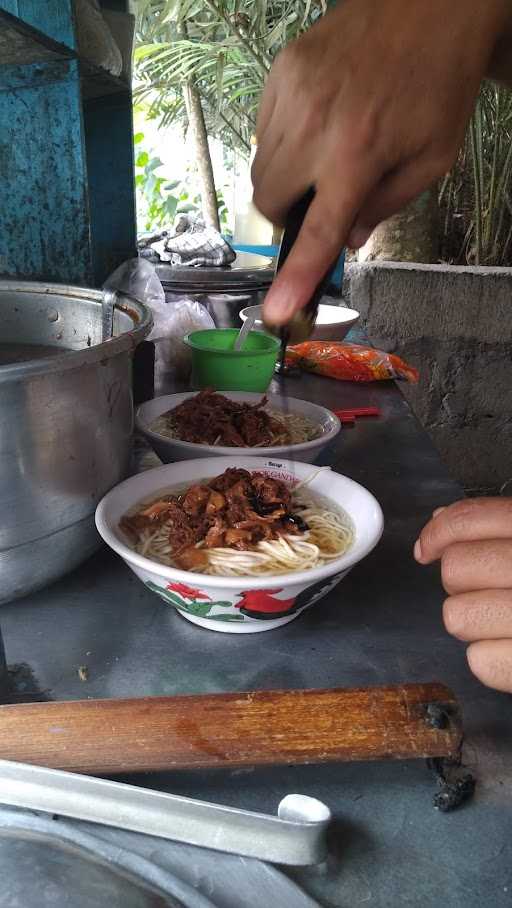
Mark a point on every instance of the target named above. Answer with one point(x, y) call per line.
point(190, 425)
point(241, 584)
point(238, 524)
point(210, 418)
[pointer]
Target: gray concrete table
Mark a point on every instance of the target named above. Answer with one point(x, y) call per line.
point(382, 624)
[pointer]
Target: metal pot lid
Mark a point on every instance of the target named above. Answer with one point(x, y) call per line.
point(247, 272)
point(54, 863)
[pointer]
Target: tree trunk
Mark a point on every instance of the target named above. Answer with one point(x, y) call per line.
point(412, 235)
point(202, 155)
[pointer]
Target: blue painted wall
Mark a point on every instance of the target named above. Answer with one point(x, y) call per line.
point(66, 165)
point(53, 17)
point(44, 218)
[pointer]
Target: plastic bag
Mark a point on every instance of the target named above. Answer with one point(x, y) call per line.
point(138, 278)
point(172, 321)
point(349, 362)
point(173, 357)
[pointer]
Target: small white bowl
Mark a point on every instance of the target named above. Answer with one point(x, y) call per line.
point(241, 605)
point(332, 322)
point(172, 449)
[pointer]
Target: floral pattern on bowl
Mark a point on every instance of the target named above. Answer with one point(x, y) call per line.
point(246, 606)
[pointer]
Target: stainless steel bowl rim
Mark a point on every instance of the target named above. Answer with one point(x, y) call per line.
point(74, 359)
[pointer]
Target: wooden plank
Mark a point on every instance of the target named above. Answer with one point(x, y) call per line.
point(44, 19)
point(18, 48)
point(232, 730)
point(21, 43)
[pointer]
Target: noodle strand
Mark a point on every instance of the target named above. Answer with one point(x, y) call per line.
point(296, 429)
point(329, 536)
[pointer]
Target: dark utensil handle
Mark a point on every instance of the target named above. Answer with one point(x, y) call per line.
point(143, 372)
point(301, 325)
point(294, 220)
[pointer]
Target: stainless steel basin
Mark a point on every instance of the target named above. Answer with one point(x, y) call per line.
point(66, 422)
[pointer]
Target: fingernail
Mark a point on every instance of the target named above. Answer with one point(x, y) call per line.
point(418, 554)
point(278, 310)
point(358, 237)
point(438, 511)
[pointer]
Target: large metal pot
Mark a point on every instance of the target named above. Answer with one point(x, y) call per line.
point(66, 425)
point(223, 291)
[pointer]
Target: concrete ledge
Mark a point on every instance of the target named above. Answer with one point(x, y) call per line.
point(455, 325)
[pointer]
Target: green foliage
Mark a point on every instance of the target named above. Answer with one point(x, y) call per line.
point(159, 199)
point(224, 49)
point(225, 46)
point(157, 204)
point(475, 200)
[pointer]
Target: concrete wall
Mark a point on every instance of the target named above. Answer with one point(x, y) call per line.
point(455, 325)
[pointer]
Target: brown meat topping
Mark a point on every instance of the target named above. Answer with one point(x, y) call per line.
point(192, 559)
point(237, 509)
point(209, 418)
point(194, 500)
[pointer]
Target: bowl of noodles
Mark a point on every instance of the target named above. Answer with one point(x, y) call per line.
point(240, 544)
point(190, 425)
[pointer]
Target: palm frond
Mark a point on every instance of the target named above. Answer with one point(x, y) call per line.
point(227, 52)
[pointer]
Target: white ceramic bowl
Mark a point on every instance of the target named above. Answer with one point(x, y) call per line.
point(172, 449)
point(332, 322)
point(240, 604)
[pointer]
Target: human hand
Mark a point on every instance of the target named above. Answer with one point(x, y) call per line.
point(370, 106)
point(473, 541)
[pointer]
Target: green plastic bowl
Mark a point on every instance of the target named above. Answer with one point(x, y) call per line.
point(216, 365)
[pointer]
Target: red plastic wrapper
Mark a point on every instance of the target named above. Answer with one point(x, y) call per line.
point(349, 362)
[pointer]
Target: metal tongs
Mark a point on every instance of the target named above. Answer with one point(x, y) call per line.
point(296, 836)
point(301, 326)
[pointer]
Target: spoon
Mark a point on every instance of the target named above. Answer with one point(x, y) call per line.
point(107, 314)
point(244, 331)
